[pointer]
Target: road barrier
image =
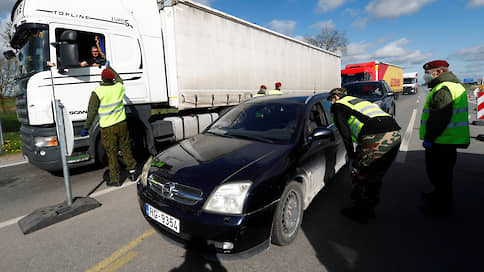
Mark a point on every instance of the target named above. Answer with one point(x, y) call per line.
point(480, 106)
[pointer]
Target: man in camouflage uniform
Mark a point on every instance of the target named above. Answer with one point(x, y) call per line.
point(107, 101)
point(377, 136)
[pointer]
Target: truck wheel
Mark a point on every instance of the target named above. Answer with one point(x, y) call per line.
point(288, 215)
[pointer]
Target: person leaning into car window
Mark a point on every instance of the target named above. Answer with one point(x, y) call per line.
point(378, 139)
point(95, 60)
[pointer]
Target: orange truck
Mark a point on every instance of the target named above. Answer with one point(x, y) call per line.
point(373, 71)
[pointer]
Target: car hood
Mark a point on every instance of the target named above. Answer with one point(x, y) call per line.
point(206, 160)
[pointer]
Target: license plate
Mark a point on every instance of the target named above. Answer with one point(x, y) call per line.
point(163, 218)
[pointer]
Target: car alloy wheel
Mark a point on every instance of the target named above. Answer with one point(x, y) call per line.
point(288, 216)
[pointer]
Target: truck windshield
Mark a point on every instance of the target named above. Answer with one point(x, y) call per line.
point(409, 80)
point(34, 53)
point(355, 77)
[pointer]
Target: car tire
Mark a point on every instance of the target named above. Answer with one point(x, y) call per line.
point(288, 215)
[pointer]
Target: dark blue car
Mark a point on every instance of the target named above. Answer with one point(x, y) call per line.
point(377, 92)
point(246, 180)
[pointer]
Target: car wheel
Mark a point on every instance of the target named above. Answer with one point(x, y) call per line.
point(288, 216)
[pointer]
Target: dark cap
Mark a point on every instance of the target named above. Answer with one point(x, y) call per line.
point(435, 64)
point(337, 91)
point(107, 74)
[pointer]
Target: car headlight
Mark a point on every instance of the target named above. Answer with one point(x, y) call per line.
point(145, 172)
point(228, 198)
point(45, 141)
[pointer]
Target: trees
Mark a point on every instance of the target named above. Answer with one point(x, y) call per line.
point(330, 39)
point(8, 68)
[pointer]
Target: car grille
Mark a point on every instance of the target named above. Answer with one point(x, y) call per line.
point(177, 192)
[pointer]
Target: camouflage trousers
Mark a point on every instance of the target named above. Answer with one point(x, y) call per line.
point(114, 137)
point(375, 154)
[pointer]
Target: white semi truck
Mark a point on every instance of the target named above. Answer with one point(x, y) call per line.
point(171, 55)
point(410, 83)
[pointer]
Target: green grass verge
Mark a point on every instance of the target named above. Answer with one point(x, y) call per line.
point(11, 143)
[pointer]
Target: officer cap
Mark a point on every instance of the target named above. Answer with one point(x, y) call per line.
point(337, 91)
point(263, 86)
point(435, 64)
point(107, 74)
point(278, 84)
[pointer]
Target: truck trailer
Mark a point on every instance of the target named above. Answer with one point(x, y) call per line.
point(174, 56)
point(410, 83)
point(373, 71)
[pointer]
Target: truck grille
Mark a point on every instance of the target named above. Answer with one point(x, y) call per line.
point(174, 191)
point(21, 105)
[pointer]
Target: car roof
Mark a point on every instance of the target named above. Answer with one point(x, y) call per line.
point(287, 98)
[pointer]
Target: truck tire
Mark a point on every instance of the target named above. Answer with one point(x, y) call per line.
point(288, 215)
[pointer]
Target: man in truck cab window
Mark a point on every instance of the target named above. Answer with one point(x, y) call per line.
point(107, 101)
point(95, 60)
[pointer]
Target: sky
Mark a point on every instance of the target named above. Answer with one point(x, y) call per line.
point(407, 33)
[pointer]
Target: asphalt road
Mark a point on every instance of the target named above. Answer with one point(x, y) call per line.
point(115, 237)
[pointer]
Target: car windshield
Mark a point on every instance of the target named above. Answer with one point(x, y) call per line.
point(267, 122)
point(409, 80)
point(34, 54)
point(365, 90)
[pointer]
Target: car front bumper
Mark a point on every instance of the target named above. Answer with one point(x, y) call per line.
point(248, 234)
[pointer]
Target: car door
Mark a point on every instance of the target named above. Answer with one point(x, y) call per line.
point(314, 160)
point(341, 157)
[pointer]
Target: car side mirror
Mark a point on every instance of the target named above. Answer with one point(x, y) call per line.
point(68, 50)
point(322, 133)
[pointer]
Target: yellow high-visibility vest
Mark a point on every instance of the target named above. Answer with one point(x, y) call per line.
point(457, 132)
point(111, 109)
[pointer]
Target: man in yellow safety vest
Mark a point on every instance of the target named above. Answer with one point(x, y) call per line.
point(107, 102)
point(377, 136)
point(444, 127)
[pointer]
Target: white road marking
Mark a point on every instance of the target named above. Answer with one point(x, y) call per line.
point(13, 164)
point(100, 193)
point(418, 101)
point(402, 156)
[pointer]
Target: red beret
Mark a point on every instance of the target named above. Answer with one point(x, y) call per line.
point(435, 64)
point(278, 84)
point(263, 86)
point(107, 74)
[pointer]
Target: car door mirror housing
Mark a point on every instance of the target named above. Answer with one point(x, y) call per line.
point(322, 133)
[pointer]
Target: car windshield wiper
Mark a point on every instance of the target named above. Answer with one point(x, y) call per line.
point(219, 134)
point(249, 137)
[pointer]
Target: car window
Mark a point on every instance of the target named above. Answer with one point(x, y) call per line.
point(316, 117)
point(365, 90)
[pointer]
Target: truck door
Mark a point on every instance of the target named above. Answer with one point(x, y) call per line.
point(74, 83)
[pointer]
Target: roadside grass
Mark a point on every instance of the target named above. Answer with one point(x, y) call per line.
point(10, 129)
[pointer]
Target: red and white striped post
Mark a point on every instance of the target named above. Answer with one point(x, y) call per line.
point(480, 109)
point(480, 106)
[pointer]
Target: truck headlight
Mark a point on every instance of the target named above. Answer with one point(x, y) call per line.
point(144, 173)
point(45, 141)
point(228, 198)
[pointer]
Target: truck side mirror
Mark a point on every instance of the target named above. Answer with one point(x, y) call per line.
point(68, 50)
point(9, 54)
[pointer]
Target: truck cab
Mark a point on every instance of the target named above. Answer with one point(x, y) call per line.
point(410, 83)
point(51, 39)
